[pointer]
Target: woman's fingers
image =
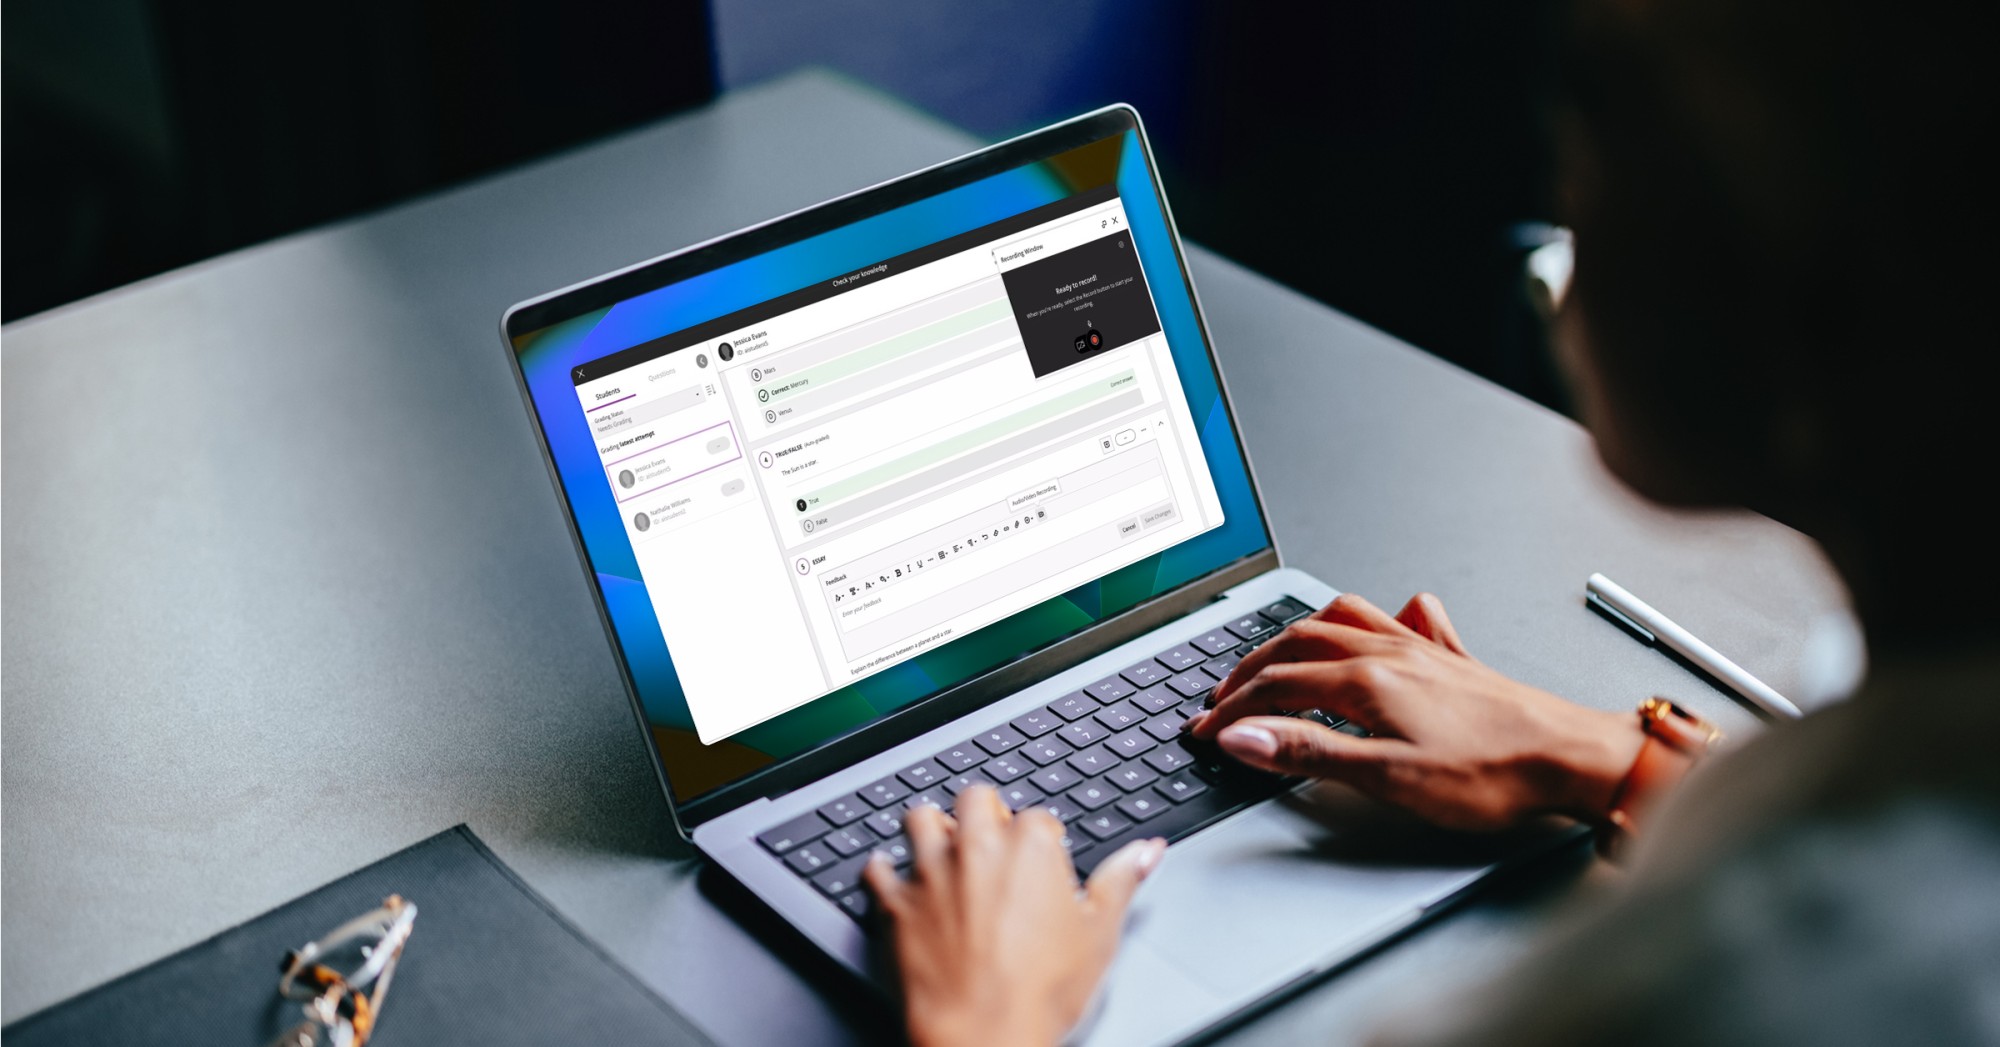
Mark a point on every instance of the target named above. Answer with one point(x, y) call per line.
point(1037, 843)
point(1349, 609)
point(1425, 616)
point(982, 835)
point(1306, 641)
point(1345, 688)
point(930, 842)
point(880, 876)
point(1110, 889)
point(980, 814)
point(1303, 748)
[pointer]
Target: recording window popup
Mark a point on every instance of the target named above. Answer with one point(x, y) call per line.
point(922, 448)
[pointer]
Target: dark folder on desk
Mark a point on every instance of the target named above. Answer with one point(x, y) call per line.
point(488, 962)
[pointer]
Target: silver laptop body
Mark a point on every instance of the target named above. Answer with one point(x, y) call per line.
point(1242, 909)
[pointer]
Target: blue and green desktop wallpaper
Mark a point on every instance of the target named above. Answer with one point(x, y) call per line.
point(546, 357)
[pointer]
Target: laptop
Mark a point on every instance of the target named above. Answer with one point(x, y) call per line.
point(938, 483)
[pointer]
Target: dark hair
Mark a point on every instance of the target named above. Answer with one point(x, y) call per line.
point(1785, 247)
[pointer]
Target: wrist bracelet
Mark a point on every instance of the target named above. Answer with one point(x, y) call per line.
point(1675, 740)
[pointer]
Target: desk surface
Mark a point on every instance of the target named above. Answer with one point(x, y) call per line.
point(286, 587)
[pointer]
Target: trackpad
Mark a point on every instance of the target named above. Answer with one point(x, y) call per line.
point(1279, 890)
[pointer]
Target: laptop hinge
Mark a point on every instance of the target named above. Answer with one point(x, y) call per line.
point(1230, 593)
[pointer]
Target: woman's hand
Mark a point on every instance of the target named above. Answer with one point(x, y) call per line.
point(995, 941)
point(1453, 741)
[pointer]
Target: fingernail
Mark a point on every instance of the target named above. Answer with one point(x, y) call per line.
point(1194, 721)
point(1244, 740)
point(1156, 848)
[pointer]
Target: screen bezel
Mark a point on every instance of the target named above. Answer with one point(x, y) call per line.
point(899, 725)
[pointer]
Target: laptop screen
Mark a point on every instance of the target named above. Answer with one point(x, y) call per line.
point(824, 482)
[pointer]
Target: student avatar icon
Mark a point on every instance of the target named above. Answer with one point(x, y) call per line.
point(626, 479)
point(726, 351)
point(642, 521)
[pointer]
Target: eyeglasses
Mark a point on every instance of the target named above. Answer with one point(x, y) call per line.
point(331, 977)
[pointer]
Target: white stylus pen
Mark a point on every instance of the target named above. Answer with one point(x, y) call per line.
point(1650, 626)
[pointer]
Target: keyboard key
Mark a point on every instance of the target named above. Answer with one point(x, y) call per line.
point(1056, 778)
point(1132, 743)
point(1075, 707)
point(1092, 795)
point(1145, 674)
point(1252, 627)
point(958, 783)
point(1214, 642)
point(1286, 611)
point(1165, 728)
point(1092, 761)
point(845, 811)
point(1181, 787)
point(1109, 689)
point(1019, 795)
point(1004, 769)
point(857, 904)
point(1141, 806)
point(1218, 669)
point(898, 850)
point(935, 796)
point(1180, 659)
point(1065, 809)
point(808, 826)
point(1046, 751)
point(1192, 685)
point(847, 842)
point(886, 822)
point(842, 877)
point(999, 740)
point(1120, 716)
point(1076, 843)
point(1156, 699)
point(1132, 777)
point(961, 756)
point(1103, 825)
point(884, 792)
point(1168, 759)
point(811, 858)
point(922, 776)
point(1083, 732)
point(1203, 806)
point(1037, 723)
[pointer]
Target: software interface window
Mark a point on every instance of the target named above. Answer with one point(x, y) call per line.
point(924, 447)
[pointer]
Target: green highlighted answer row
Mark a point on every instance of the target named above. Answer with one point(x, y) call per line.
point(890, 348)
point(969, 439)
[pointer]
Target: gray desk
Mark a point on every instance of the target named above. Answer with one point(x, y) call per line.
point(286, 588)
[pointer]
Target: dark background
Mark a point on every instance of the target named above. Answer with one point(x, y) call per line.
point(1381, 155)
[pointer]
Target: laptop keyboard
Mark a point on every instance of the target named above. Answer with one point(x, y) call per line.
point(1109, 761)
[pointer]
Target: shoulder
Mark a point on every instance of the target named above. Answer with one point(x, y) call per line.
point(1874, 927)
point(1866, 927)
